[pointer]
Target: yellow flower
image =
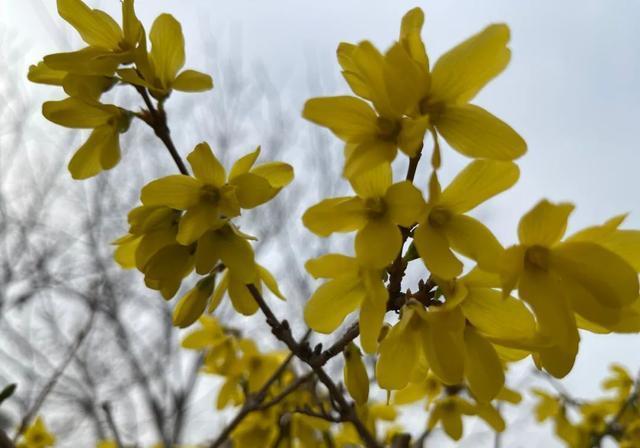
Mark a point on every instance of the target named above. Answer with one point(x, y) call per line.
point(559, 278)
point(449, 411)
point(620, 381)
point(234, 283)
point(159, 70)
point(101, 151)
point(454, 80)
point(255, 430)
point(193, 303)
point(355, 374)
point(166, 268)
point(445, 226)
point(108, 44)
point(350, 287)
point(373, 136)
point(106, 444)
point(38, 436)
point(427, 386)
point(208, 198)
point(150, 229)
point(376, 212)
point(89, 87)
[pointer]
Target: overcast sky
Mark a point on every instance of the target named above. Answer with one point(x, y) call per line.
point(572, 90)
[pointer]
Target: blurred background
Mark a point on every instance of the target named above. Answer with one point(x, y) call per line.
point(571, 90)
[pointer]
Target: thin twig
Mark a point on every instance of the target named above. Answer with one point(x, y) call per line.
point(106, 407)
point(48, 387)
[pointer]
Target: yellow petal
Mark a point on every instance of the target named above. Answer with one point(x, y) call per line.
point(100, 152)
point(43, 74)
point(344, 214)
point(76, 113)
point(355, 375)
point(270, 282)
point(406, 81)
point(434, 250)
point(586, 304)
point(94, 26)
point(332, 266)
point(555, 319)
point(482, 366)
point(412, 131)
point(131, 76)
point(196, 221)
point(190, 307)
point(350, 70)
point(378, 243)
point(237, 254)
point(545, 224)
point(131, 26)
point(167, 51)
point(405, 203)
point(472, 239)
point(476, 133)
point(410, 30)
point(452, 424)
point(491, 415)
point(443, 344)
point(610, 279)
point(241, 299)
point(176, 191)
point(369, 65)
point(244, 164)
point(207, 252)
point(477, 182)
point(252, 190)
point(398, 353)
point(373, 183)
point(278, 174)
point(368, 155)
point(124, 254)
point(332, 302)
point(206, 166)
point(461, 72)
point(87, 61)
point(193, 81)
point(372, 311)
point(351, 119)
point(498, 317)
point(86, 86)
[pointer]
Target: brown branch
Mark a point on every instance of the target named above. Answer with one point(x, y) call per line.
point(302, 351)
point(157, 120)
point(5, 441)
point(286, 391)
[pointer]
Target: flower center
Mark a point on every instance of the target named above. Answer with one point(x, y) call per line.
point(439, 217)
point(375, 207)
point(209, 193)
point(537, 257)
point(388, 129)
point(433, 109)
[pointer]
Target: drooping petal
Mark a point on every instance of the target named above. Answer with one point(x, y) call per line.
point(270, 282)
point(368, 155)
point(434, 250)
point(378, 243)
point(176, 191)
point(331, 266)
point(412, 132)
point(443, 344)
point(332, 302)
point(344, 214)
point(351, 119)
point(476, 133)
point(87, 61)
point(405, 203)
point(372, 310)
point(477, 182)
point(207, 252)
point(241, 299)
point(100, 152)
point(398, 352)
point(86, 86)
point(472, 239)
point(482, 367)
point(611, 280)
point(545, 223)
point(94, 26)
point(206, 166)
point(461, 72)
point(193, 81)
point(237, 254)
point(355, 375)
point(167, 50)
point(43, 74)
point(196, 221)
point(555, 319)
point(190, 307)
point(586, 304)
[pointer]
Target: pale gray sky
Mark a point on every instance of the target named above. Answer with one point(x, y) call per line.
point(572, 90)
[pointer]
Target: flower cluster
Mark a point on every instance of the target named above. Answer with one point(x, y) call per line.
point(583, 424)
point(462, 328)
